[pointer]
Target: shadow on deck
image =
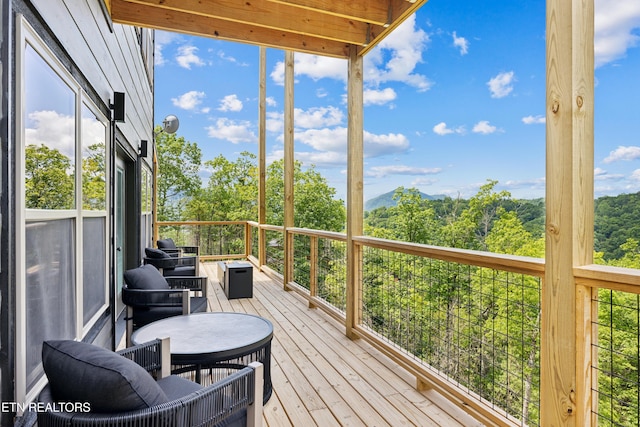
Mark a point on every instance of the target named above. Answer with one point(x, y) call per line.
point(321, 377)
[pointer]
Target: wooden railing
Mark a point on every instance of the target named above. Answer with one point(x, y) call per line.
point(445, 298)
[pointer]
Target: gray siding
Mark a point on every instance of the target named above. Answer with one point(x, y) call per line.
point(110, 61)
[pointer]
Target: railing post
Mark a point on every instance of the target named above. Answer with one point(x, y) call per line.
point(289, 165)
point(313, 269)
point(565, 352)
point(247, 239)
point(262, 246)
point(355, 175)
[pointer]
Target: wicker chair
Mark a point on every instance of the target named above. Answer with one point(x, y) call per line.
point(235, 400)
point(149, 296)
point(172, 264)
point(169, 246)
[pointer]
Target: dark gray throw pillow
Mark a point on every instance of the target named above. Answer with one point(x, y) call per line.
point(167, 243)
point(145, 277)
point(82, 372)
point(156, 253)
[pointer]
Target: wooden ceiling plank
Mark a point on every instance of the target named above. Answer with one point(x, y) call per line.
point(281, 17)
point(125, 12)
point(400, 11)
point(372, 11)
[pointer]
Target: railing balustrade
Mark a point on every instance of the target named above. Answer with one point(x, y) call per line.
point(466, 323)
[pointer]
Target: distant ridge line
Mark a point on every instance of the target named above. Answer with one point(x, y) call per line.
point(386, 200)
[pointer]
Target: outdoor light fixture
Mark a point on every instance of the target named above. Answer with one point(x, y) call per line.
point(142, 148)
point(118, 106)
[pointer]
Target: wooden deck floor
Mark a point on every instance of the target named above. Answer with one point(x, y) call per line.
point(320, 377)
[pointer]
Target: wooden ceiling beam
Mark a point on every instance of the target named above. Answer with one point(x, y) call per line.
point(371, 11)
point(277, 16)
point(143, 15)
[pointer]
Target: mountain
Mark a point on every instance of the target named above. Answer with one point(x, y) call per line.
point(386, 200)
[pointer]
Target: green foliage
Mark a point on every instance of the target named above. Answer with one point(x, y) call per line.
point(94, 185)
point(313, 200)
point(616, 220)
point(178, 177)
point(231, 193)
point(49, 179)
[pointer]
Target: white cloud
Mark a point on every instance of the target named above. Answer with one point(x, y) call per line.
point(615, 22)
point(312, 66)
point(187, 57)
point(635, 175)
point(536, 183)
point(394, 59)
point(322, 159)
point(189, 100)
point(162, 38)
point(271, 101)
point(397, 56)
point(530, 120)
point(230, 130)
point(54, 130)
point(274, 122)
point(324, 139)
point(335, 140)
point(379, 97)
point(623, 153)
point(382, 171)
point(461, 43)
point(502, 84)
point(222, 55)
point(600, 174)
point(442, 129)
point(384, 144)
point(484, 128)
point(230, 103)
point(317, 117)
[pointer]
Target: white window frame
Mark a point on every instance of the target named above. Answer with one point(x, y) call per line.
point(26, 35)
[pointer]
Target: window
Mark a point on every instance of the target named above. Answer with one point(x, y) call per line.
point(62, 209)
point(146, 219)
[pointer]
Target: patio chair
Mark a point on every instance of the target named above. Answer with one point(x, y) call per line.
point(92, 386)
point(149, 296)
point(169, 246)
point(172, 265)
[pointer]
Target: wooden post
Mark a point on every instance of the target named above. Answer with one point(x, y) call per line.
point(355, 212)
point(262, 156)
point(288, 165)
point(313, 269)
point(565, 355)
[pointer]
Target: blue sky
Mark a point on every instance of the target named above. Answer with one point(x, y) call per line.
point(453, 97)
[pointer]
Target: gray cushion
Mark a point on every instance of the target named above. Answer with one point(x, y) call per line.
point(145, 277)
point(176, 387)
point(156, 253)
point(166, 244)
point(81, 372)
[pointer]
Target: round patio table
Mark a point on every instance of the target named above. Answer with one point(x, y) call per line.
point(214, 341)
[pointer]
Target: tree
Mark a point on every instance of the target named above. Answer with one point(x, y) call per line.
point(94, 185)
point(49, 179)
point(231, 193)
point(415, 217)
point(472, 226)
point(314, 203)
point(178, 173)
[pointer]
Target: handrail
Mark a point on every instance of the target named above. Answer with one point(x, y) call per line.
point(512, 263)
point(608, 277)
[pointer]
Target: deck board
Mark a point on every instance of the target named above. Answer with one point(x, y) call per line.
point(320, 377)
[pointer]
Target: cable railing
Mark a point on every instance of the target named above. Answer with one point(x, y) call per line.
point(466, 323)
